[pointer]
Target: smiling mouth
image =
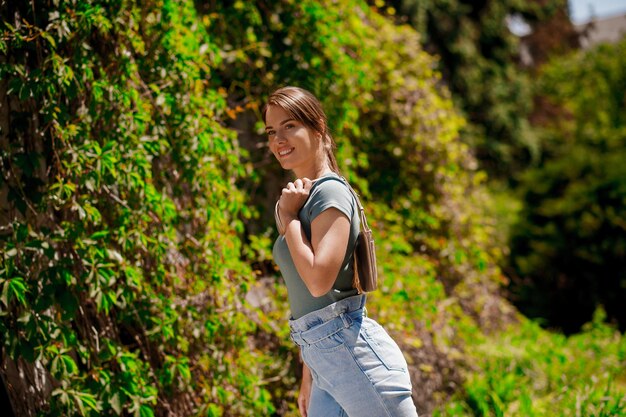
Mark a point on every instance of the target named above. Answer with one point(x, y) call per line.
point(285, 152)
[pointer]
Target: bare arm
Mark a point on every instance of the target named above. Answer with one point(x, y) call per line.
point(317, 261)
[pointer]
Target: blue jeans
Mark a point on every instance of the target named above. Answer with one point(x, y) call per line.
point(357, 368)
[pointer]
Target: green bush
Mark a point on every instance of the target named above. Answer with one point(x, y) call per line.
point(480, 61)
point(569, 246)
point(526, 371)
point(121, 260)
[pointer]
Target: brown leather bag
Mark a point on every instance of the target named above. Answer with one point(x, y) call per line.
point(365, 271)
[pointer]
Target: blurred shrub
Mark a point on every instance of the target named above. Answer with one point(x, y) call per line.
point(529, 372)
point(480, 61)
point(569, 247)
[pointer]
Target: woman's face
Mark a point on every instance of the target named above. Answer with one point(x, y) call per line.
point(294, 145)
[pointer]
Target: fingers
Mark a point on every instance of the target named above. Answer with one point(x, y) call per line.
point(303, 184)
point(294, 195)
point(303, 407)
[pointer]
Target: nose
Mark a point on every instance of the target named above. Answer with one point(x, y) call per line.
point(278, 137)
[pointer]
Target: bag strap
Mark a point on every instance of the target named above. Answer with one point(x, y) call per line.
point(279, 223)
point(364, 224)
point(356, 283)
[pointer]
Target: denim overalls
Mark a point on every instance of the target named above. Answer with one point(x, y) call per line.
point(357, 368)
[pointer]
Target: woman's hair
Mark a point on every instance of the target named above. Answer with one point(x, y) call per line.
point(302, 106)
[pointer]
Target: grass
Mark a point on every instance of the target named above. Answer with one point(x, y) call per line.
point(528, 371)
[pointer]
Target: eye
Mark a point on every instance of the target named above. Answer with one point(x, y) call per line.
point(289, 126)
point(271, 132)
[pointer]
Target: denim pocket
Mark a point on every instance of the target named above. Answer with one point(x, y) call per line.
point(384, 347)
point(331, 342)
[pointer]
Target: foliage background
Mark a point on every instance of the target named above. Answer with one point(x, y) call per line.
point(568, 245)
point(136, 274)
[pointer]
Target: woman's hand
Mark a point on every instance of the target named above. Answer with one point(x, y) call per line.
point(292, 199)
point(305, 391)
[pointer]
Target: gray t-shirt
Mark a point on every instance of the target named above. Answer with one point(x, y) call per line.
point(328, 191)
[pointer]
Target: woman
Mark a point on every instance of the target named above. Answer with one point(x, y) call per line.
point(350, 364)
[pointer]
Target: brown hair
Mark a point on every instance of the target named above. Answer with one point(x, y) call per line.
point(304, 107)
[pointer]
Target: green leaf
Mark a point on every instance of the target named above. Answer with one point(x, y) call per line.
point(146, 411)
point(69, 364)
point(85, 399)
point(184, 371)
point(99, 234)
point(214, 411)
point(14, 288)
point(49, 38)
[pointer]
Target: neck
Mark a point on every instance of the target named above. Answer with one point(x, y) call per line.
point(313, 172)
